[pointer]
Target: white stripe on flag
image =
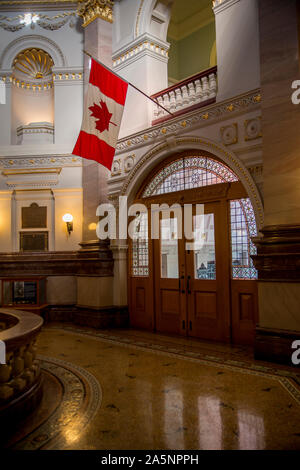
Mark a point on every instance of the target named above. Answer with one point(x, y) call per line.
point(94, 97)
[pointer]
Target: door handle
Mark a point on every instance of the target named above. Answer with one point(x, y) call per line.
point(182, 291)
point(188, 285)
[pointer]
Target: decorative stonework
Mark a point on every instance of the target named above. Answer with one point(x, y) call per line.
point(89, 10)
point(197, 91)
point(256, 172)
point(216, 150)
point(229, 134)
point(20, 372)
point(31, 178)
point(50, 161)
point(32, 41)
point(79, 402)
point(129, 163)
point(36, 133)
point(34, 64)
point(144, 44)
point(116, 167)
point(53, 23)
point(200, 118)
point(253, 129)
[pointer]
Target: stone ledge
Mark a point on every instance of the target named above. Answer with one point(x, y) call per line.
point(101, 318)
point(275, 345)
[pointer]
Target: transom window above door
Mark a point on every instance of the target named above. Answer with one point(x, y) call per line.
point(189, 173)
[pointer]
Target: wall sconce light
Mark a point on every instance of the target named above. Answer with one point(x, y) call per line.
point(68, 218)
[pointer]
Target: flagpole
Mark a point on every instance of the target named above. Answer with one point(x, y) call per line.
point(133, 86)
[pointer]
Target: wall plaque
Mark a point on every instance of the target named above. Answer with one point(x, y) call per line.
point(33, 241)
point(34, 216)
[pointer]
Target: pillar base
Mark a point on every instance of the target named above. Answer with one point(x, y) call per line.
point(102, 318)
point(275, 345)
point(99, 248)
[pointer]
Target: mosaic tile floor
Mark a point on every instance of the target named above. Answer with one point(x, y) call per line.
point(125, 389)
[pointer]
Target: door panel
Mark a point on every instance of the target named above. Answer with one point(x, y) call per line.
point(141, 311)
point(244, 311)
point(207, 295)
point(169, 292)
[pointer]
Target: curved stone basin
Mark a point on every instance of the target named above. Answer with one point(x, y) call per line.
point(20, 377)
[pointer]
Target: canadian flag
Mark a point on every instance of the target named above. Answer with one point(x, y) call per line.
point(102, 115)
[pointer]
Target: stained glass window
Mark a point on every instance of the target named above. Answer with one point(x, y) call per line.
point(243, 227)
point(189, 173)
point(140, 247)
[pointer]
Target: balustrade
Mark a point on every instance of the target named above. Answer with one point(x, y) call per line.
point(20, 377)
point(196, 91)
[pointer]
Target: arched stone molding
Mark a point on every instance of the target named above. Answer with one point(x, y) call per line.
point(150, 13)
point(32, 41)
point(172, 146)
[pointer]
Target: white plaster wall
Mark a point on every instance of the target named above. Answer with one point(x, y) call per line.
point(30, 106)
point(5, 116)
point(68, 106)
point(125, 14)
point(149, 74)
point(237, 40)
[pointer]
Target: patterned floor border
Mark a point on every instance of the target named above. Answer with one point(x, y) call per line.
point(289, 380)
point(82, 396)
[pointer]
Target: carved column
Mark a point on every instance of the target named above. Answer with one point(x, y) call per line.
point(278, 258)
point(95, 294)
point(97, 24)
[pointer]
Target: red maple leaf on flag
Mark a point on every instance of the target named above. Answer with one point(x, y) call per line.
point(102, 115)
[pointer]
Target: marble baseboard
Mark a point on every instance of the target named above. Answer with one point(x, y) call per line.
point(101, 318)
point(278, 253)
point(275, 345)
point(107, 317)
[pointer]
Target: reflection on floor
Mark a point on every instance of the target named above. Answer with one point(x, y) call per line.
point(137, 390)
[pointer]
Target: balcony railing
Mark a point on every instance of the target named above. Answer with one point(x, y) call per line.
point(191, 93)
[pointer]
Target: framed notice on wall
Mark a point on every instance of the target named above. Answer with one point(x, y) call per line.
point(33, 241)
point(34, 216)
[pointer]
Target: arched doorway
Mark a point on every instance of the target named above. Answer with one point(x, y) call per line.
point(205, 289)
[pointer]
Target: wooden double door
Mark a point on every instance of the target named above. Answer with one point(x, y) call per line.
point(189, 289)
point(192, 277)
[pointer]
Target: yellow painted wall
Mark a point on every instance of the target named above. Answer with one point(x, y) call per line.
point(68, 201)
point(5, 221)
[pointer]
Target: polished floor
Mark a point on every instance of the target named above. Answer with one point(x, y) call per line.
point(125, 389)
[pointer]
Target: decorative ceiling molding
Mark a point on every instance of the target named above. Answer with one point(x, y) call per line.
point(49, 23)
point(40, 162)
point(34, 64)
point(90, 10)
point(34, 2)
point(145, 43)
point(47, 3)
